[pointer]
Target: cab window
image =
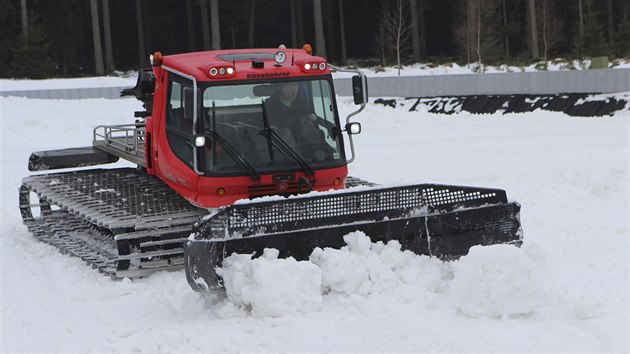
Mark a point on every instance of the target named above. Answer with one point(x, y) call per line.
point(179, 118)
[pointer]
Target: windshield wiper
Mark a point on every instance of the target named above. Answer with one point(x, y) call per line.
point(236, 155)
point(267, 131)
point(231, 150)
point(273, 137)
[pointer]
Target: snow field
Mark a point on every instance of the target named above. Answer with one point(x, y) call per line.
point(565, 290)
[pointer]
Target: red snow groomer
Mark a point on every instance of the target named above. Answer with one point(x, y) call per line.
point(219, 130)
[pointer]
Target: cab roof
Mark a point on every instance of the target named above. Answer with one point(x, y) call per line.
point(252, 64)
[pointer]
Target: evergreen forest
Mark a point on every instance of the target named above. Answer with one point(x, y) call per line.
point(70, 38)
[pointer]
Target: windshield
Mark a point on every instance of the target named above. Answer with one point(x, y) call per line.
point(240, 119)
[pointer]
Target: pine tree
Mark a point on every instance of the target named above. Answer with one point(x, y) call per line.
point(622, 39)
point(592, 41)
point(30, 55)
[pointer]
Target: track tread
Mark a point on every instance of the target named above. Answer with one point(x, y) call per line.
point(91, 207)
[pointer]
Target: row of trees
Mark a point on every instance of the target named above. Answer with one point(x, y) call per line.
point(42, 38)
point(499, 30)
point(487, 29)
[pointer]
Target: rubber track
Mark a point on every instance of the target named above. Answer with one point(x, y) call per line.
point(122, 222)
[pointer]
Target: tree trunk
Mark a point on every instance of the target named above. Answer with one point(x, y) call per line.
point(107, 33)
point(506, 39)
point(252, 23)
point(533, 29)
point(611, 22)
point(581, 17)
point(190, 19)
point(342, 34)
point(479, 36)
point(544, 29)
point(320, 40)
point(146, 14)
point(205, 25)
point(293, 24)
point(24, 13)
point(330, 30)
point(300, 23)
point(96, 39)
point(216, 29)
point(415, 36)
point(470, 21)
point(423, 33)
point(142, 52)
point(399, 27)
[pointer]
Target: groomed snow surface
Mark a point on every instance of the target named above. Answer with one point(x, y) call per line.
point(565, 290)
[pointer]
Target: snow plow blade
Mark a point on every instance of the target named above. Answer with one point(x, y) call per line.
point(437, 220)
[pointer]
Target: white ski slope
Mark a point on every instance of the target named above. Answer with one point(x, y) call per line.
point(565, 290)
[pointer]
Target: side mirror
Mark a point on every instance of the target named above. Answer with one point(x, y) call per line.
point(359, 89)
point(353, 128)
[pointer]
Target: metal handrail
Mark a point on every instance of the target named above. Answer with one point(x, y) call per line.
point(123, 137)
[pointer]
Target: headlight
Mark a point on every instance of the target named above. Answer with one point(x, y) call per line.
point(200, 141)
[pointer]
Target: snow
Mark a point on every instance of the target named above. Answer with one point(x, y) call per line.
point(422, 69)
point(498, 281)
point(55, 84)
point(565, 290)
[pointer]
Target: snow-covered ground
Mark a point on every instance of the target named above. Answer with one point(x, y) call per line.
point(420, 69)
point(55, 84)
point(565, 290)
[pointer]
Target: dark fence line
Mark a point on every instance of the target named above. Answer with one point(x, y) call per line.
point(573, 104)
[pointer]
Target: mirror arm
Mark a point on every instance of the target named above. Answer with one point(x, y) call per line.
point(363, 104)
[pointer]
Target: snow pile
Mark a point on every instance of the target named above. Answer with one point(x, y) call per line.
point(365, 268)
point(497, 281)
point(353, 269)
point(271, 287)
point(494, 281)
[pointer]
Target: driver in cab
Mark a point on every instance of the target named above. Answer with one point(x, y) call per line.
point(290, 116)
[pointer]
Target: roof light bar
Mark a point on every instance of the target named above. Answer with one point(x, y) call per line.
point(220, 72)
point(314, 66)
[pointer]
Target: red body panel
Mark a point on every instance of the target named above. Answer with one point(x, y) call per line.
point(202, 190)
point(237, 188)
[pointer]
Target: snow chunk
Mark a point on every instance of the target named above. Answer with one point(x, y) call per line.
point(498, 281)
point(272, 287)
point(355, 269)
